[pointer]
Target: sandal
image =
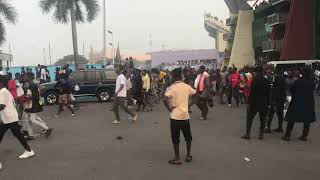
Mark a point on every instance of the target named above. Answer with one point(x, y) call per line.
point(175, 162)
point(188, 159)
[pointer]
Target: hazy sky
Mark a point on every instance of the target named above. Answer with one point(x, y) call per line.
point(178, 24)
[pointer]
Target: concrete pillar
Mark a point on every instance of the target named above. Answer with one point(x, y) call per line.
point(242, 49)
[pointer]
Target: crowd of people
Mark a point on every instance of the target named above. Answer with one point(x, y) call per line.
point(21, 103)
point(287, 92)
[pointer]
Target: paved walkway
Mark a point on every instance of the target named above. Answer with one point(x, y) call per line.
point(84, 147)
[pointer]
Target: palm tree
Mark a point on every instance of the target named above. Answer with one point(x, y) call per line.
point(74, 11)
point(9, 13)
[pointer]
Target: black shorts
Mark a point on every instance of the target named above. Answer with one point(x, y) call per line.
point(184, 126)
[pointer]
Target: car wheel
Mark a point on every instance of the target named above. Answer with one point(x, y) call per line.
point(51, 98)
point(104, 95)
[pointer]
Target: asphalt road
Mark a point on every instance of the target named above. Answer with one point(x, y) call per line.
point(84, 147)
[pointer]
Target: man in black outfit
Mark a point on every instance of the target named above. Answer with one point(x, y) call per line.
point(302, 106)
point(277, 100)
point(258, 102)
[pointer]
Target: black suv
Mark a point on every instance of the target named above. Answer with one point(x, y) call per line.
point(99, 82)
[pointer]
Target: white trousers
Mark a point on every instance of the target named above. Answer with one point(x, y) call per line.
point(32, 118)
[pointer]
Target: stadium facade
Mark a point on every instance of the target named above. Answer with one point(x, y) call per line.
point(272, 30)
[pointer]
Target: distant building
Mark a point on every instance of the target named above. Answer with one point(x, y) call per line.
point(96, 56)
point(5, 59)
point(181, 58)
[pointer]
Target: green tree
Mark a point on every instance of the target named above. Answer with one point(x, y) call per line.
point(7, 13)
point(69, 59)
point(74, 11)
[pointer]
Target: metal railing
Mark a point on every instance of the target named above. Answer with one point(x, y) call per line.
point(275, 2)
point(272, 45)
point(277, 18)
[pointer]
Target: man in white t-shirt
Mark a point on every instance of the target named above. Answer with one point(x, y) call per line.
point(9, 119)
point(43, 76)
point(120, 97)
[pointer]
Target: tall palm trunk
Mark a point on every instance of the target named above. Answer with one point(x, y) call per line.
point(74, 36)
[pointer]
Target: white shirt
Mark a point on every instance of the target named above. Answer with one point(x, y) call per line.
point(9, 114)
point(2, 73)
point(43, 74)
point(129, 84)
point(121, 80)
point(20, 91)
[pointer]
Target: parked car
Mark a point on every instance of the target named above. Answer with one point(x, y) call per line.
point(100, 83)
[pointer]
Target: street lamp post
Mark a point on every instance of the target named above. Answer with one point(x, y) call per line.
point(112, 45)
point(104, 34)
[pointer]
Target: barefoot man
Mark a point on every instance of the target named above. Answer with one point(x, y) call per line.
point(176, 100)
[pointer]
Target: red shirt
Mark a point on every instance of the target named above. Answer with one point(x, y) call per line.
point(12, 88)
point(235, 79)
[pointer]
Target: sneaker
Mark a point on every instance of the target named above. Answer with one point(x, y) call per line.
point(229, 105)
point(135, 117)
point(261, 136)
point(285, 138)
point(56, 115)
point(26, 154)
point(43, 131)
point(0, 166)
point(48, 132)
point(246, 137)
point(116, 122)
point(278, 130)
point(73, 114)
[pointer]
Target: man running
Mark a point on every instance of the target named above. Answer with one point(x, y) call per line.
point(9, 118)
point(176, 100)
point(120, 97)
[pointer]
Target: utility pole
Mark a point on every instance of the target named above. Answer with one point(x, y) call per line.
point(10, 55)
point(83, 50)
point(150, 41)
point(44, 56)
point(50, 54)
point(104, 34)
point(112, 45)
